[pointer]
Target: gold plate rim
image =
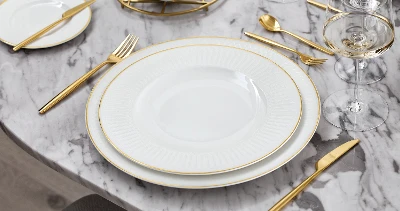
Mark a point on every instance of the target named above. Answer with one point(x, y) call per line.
point(57, 43)
point(208, 172)
point(214, 185)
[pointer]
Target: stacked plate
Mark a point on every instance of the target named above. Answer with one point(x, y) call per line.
point(202, 112)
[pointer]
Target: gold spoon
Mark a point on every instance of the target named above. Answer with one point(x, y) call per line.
point(271, 24)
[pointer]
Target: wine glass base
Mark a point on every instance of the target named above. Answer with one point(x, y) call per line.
point(283, 1)
point(373, 70)
point(341, 110)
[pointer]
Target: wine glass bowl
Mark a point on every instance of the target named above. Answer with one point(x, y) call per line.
point(378, 21)
point(358, 35)
point(365, 5)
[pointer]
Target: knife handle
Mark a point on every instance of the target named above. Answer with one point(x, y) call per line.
point(285, 200)
point(37, 35)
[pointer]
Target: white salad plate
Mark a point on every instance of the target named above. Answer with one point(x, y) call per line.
point(300, 138)
point(200, 109)
point(19, 19)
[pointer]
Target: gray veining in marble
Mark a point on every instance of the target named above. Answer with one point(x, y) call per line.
point(367, 178)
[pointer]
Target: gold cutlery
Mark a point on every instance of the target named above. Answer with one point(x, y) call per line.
point(123, 51)
point(322, 6)
point(320, 166)
point(66, 15)
point(271, 24)
point(306, 59)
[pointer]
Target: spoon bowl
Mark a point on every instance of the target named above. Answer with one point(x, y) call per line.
point(270, 23)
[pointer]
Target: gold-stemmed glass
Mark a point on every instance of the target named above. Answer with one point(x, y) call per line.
point(357, 29)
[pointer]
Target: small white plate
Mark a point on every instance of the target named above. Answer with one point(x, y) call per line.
point(305, 131)
point(201, 109)
point(20, 19)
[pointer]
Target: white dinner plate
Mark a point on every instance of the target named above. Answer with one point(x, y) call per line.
point(200, 109)
point(303, 134)
point(20, 19)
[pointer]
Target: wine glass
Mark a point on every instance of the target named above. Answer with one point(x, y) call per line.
point(357, 32)
point(370, 70)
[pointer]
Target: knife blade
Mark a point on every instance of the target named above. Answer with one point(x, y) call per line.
point(335, 154)
point(66, 15)
point(320, 166)
point(71, 12)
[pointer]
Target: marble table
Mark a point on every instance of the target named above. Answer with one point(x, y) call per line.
point(367, 178)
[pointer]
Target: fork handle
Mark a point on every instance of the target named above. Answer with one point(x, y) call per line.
point(268, 41)
point(310, 43)
point(71, 88)
point(285, 200)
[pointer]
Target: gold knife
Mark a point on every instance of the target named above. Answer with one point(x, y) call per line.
point(66, 15)
point(320, 166)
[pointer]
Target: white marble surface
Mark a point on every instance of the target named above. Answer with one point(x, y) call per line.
point(368, 178)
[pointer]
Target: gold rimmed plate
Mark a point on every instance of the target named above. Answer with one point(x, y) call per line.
point(298, 141)
point(23, 18)
point(200, 109)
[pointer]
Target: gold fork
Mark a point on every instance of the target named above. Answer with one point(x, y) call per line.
point(306, 59)
point(123, 51)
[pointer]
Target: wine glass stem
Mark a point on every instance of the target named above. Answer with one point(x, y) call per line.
point(357, 79)
point(355, 105)
point(362, 64)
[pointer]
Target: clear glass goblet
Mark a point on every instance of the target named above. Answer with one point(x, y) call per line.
point(357, 32)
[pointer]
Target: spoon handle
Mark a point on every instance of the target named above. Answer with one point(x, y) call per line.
point(312, 44)
point(268, 41)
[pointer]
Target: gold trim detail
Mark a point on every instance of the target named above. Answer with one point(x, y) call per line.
point(210, 172)
point(54, 44)
point(203, 5)
point(214, 185)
